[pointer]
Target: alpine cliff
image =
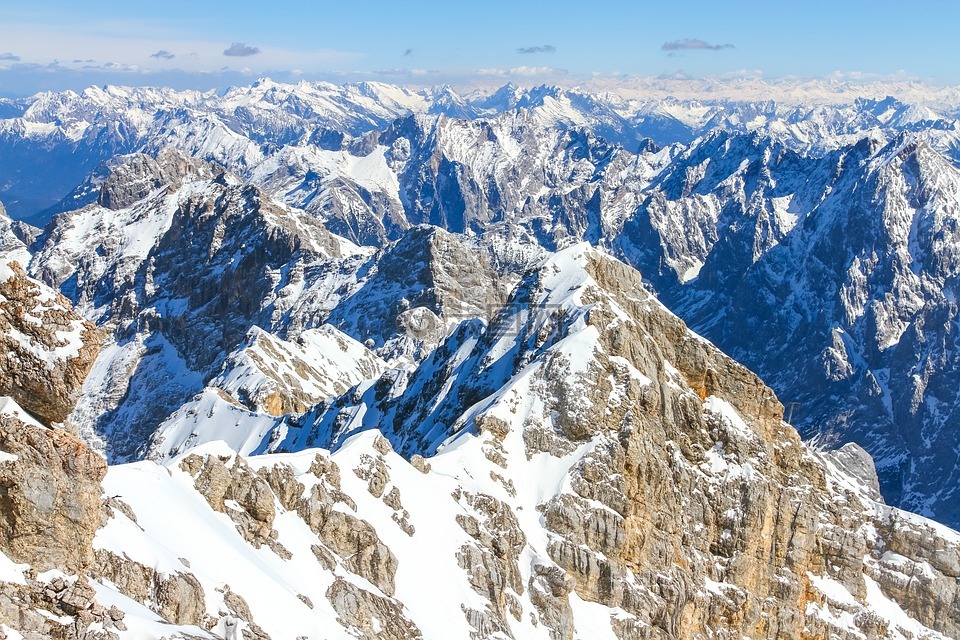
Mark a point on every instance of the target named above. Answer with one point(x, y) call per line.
point(583, 466)
point(360, 361)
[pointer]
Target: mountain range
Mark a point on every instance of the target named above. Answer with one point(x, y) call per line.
point(476, 307)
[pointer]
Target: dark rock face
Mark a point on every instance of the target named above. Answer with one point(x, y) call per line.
point(425, 282)
point(222, 276)
point(179, 276)
point(136, 177)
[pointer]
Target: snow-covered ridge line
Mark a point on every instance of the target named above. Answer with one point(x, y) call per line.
point(842, 208)
point(579, 466)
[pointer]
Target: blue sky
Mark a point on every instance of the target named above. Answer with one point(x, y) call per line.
point(67, 44)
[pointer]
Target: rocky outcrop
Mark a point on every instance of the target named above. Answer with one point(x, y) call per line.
point(249, 498)
point(701, 510)
point(918, 569)
point(50, 510)
point(369, 616)
point(239, 492)
point(46, 349)
point(177, 597)
point(491, 559)
point(76, 614)
point(50, 491)
point(49, 497)
point(135, 177)
point(355, 540)
point(550, 588)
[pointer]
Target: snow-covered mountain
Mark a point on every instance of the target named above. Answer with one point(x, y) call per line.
point(753, 223)
point(824, 275)
point(51, 141)
point(241, 295)
point(590, 469)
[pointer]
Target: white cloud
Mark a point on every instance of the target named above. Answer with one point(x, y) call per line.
point(522, 71)
point(608, 74)
point(743, 73)
point(900, 75)
point(403, 71)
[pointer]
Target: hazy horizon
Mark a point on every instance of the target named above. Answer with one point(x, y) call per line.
point(57, 45)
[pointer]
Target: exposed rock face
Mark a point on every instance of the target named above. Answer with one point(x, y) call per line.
point(178, 598)
point(356, 541)
point(684, 492)
point(550, 588)
point(254, 511)
point(368, 615)
point(838, 290)
point(689, 505)
point(50, 497)
point(857, 463)
point(46, 349)
point(134, 178)
point(232, 291)
point(50, 491)
point(418, 289)
point(491, 559)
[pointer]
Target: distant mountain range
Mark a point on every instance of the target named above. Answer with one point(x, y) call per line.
point(338, 343)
